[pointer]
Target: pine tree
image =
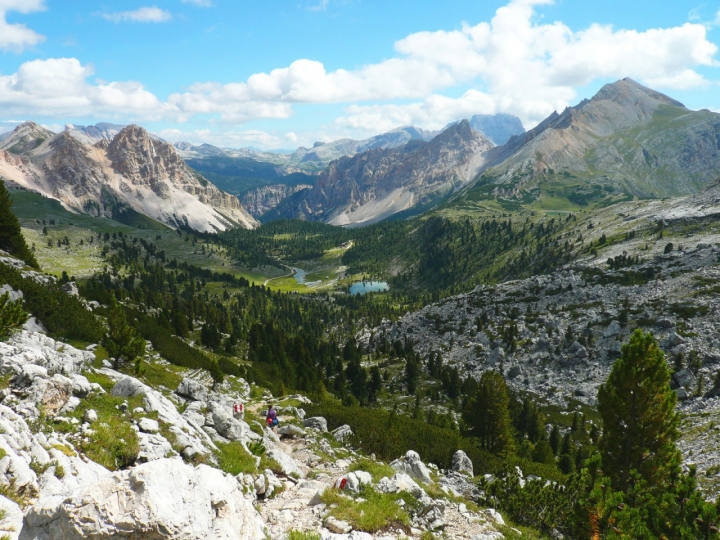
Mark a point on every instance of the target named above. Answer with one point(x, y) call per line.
point(638, 411)
point(11, 316)
point(489, 415)
point(216, 373)
point(11, 238)
point(555, 439)
point(122, 342)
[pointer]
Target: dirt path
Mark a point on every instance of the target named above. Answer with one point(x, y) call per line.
point(292, 272)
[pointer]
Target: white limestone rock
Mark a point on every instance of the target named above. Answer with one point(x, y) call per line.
point(461, 463)
point(191, 389)
point(342, 433)
point(12, 521)
point(165, 498)
point(316, 422)
point(411, 464)
point(26, 347)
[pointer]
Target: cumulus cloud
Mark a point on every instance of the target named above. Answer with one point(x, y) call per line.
point(17, 37)
point(531, 69)
point(59, 87)
point(151, 14)
point(523, 66)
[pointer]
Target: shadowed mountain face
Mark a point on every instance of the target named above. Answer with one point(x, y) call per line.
point(376, 184)
point(626, 139)
point(132, 170)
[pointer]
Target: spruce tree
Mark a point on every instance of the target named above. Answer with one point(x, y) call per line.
point(11, 238)
point(638, 411)
point(489, 415)
point(122, 342)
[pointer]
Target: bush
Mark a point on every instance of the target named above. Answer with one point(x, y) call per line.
point(390, 436)
point(114, 445)
point(11, 316)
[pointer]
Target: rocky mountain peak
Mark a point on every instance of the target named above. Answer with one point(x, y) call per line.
point(627, 92)
point(144, 160)
point(25, 137)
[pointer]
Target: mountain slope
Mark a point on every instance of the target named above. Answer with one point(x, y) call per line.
point(133, 170)
point(627, 139)
point(376, 184)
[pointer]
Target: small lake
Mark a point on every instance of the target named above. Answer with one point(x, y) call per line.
point(299, 275)
point(362, 287)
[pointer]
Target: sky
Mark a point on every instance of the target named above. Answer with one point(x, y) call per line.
point(285, 73)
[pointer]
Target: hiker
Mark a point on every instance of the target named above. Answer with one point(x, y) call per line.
point(271, 416)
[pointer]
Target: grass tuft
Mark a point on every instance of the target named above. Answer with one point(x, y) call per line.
point(377, 512)
point(234, 459)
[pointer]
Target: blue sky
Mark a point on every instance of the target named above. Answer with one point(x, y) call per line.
point(276, 73)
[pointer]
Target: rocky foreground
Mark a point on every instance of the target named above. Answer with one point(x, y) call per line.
point(51, 489)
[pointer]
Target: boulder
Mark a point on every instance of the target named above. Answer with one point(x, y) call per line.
point(316, 422)
point(342, 433)
point(80, 385)
point(684, 378)
point(191, 389)
point(287, 464)
point(411, 464)
point(337, 526)
point(613, 329)
point(90, 416)
point(12, 520)
point(165, 498)
point(514, 372)
point(290, 430)
point(461, 463)
point(128, 387)
point(148, 425)
point(70, 288)
point(153, 446)
point(400, 482)
point(494, 516)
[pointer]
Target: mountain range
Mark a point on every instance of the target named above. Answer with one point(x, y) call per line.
point(627, 139)
point(378, 183)
point(130, 172)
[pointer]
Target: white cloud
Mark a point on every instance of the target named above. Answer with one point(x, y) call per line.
point(16, 37)
point(525, 67)
point(201, 3)
point(434, 112)
point(151, 14)
point(58, 87)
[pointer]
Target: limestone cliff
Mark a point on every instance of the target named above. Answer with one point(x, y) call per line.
point(133, 170)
